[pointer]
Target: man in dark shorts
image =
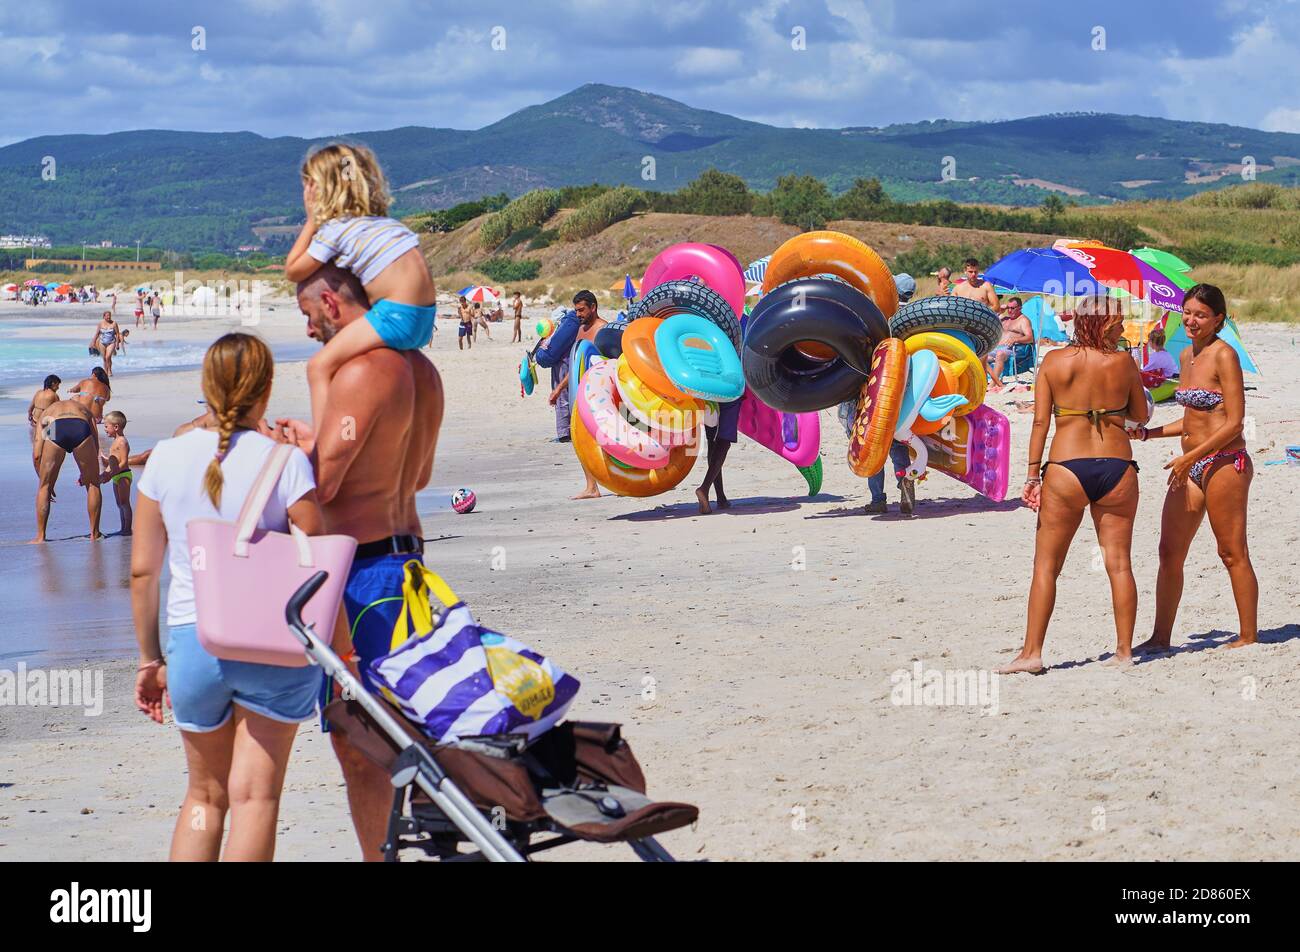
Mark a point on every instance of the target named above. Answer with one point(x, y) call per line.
point(372, 452)
point(465, 329)
point(66, 426)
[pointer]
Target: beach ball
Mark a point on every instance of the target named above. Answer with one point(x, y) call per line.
point(463, 500)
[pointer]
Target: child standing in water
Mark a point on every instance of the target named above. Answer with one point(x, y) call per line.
point(118, 472)
point(346, 199)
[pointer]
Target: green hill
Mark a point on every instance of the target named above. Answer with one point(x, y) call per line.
point(187, 190)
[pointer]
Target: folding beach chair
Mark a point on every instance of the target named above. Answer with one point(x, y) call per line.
point(500, 795)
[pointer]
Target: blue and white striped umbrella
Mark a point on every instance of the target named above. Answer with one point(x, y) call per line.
point(757, 269)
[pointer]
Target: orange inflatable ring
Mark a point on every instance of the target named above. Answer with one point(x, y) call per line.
point(944, 384)
point(967, 369)
point(627, 481)
point(643, 359)
point(833, 252)
point(878, 410)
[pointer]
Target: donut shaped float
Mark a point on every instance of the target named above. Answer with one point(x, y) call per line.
point(699, 359)
point(643, 358)
point(678, 297)
point(957, 359)
point(716, 267)
point(823, 310)
point(632, 481)
point(833, 252)
point(973, 320)
point(882, 400)
point(598, 411)
point(670, 421)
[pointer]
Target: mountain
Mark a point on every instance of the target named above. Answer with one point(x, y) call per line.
point(190, 190)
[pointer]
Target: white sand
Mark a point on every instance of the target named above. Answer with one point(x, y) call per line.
point(762, 692)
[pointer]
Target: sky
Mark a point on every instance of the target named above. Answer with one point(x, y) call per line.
point(323, 67)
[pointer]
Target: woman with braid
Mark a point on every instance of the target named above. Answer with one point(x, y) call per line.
point(237, 719)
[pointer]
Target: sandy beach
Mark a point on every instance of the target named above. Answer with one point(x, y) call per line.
point(753, 654)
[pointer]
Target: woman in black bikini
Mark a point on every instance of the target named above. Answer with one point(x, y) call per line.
point(1214, 473)
point(1090, 468)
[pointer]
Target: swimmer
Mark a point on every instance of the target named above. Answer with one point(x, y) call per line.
point(117, 471)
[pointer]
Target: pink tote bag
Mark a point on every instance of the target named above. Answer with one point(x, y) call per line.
point(243, 576)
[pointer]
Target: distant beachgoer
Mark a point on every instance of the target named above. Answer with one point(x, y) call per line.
point(1160, 360)
point(237, 719)
point(104, 341)
point(465, 327)
point(112, 296)
point(394, 397)
point(117, 468)
point(1214, 473)
point(155, 309)
point(66, 426)
point(518, 305)
point(1090, 388)
point(587, 312)
point(1016, 329)
point(93, 392)
point(121, 341)
point(975, 287)
point(139, 307)
point(49, 393)
point(943, 281)
point(480, 320)
point(346, 198)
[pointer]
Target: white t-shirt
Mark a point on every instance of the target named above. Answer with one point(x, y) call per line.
point(365, 246)
point(173, 478)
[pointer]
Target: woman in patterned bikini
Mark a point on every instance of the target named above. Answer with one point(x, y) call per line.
point(1212, 475)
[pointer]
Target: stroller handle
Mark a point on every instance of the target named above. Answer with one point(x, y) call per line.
point(299, 599)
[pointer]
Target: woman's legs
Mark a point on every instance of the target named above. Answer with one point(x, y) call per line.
point(1184, 509)
point(1112, 515)
point(261, 753)
point(1226, 495)
point(109, 351)
point(1061, 511)
point(197, 837)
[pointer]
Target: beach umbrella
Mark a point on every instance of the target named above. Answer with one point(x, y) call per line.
point(1044, 320)
point(1119, 269)
point(1163, 261)
point(631, 288)
point(64, 288)
point(1042, 271)
point(31, 283)
point(11, 287)
point(757, 269)
point(1176, 340)
point(480, 294)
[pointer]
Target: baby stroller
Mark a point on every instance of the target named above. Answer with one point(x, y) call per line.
point(505, 798)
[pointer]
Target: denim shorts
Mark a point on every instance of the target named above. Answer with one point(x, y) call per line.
point(204, 689)
point(402, 326)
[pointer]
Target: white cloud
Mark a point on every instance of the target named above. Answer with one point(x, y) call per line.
point(708, 61)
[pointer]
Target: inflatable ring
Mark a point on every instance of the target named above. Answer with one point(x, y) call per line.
point(833, 252)
point(609, 340)
point(598, 411)
point(629, 481)
point(642, 357)
point(826, 310)
point(699, 359)
point(945, 386)
point(584, 354)
point(716, 267)
point(960, 360)
point(882, 400)
point(671, 421)
point(677, 297)
point(527, 375)
point(974, 319)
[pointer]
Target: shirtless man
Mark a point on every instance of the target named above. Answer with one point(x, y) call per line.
point(93, 393)
point(66, 426)
point(1016, 329)
point(49, 393)
point(589, 322)
point(975, 287)
point(372, 452)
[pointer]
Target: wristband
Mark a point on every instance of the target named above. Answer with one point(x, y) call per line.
point(155, 663)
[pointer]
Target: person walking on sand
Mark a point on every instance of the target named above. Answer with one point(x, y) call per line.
point(1089, 388)
point(155, 308)
point(237, 719)
point(465, 326)
point(367, 490)
point(582, 323)
point(66, 426)
point(105, 340)
point(117, 469)
point(139, 307)
point(518, 305)
point(1213, 474)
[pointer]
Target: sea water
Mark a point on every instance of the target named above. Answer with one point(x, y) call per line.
point(69, 600)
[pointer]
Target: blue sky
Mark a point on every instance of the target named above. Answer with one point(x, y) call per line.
point(287, 67)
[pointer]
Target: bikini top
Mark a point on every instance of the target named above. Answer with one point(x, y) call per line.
point(1095, 416)
point(1197, 398)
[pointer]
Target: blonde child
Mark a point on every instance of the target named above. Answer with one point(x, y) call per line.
point(346, 199)
point(117, 470)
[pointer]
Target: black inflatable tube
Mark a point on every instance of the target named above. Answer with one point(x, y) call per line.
point(609, 339)
point(825, 310)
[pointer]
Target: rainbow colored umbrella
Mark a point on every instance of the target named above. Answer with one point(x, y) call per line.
point(1175, 267)
point(1129, 273)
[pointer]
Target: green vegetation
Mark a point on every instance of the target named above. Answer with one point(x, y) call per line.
point(530, 210)
point(600, 212)
point(508, 270)
point(449, 219)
